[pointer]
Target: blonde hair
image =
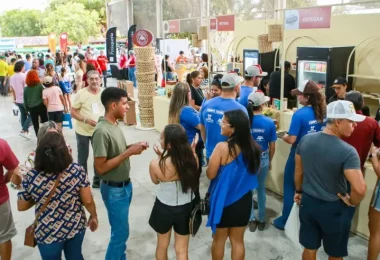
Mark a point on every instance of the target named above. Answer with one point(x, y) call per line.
point(178, 100)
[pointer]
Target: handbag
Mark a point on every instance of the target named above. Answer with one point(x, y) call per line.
point(195, 221)
point(204, 205)
point(29, 239)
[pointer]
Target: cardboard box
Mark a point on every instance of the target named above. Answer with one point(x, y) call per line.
point(130, 116)
point(127, 86)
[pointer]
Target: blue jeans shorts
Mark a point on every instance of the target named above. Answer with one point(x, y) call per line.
point(327, 222)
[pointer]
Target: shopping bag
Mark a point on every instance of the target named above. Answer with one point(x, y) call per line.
point(15, 110)
point(292, 226)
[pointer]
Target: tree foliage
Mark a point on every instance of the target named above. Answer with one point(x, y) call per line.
point(16, 23)
point(74, 19)
point(91, 5)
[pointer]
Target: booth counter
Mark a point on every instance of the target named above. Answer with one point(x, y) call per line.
point(275, 178)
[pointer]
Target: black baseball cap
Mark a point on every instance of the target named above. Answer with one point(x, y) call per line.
point(339, 81)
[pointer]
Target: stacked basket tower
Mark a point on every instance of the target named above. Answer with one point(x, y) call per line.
point(145, 75)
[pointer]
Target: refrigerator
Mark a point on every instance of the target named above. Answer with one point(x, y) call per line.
point(323, 65)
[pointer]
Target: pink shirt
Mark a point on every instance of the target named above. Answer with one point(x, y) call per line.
point(17, 83)
point(52, 95)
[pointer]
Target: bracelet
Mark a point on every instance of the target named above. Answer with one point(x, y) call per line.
point(298, 191)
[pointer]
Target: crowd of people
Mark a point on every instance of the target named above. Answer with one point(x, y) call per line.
point(323, 174)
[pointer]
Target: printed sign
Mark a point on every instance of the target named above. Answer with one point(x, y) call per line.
point(225, 23)
point(213, 24)
point(311, 18)
point(173, 26)
point(111, 45)
point(142, 38)
point(131, 32)
point(63, 42)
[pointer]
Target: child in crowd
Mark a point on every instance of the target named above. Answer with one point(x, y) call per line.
point(65, 85)
point(54, 101)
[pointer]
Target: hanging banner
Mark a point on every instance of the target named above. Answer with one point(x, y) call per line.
point(310, 18)
point(131, 32)
point(225, 23)
point(174, 26)
point(142, 38)
point(52, 43)
point(213, 24)
point(111, 45)
point(63, 42)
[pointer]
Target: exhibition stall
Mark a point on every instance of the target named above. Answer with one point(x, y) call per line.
point(358, 62)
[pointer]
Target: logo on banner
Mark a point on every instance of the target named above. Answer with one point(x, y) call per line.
point(142, 38)
point(172, 26)
point(226, 23)
point(213, 24)
point(311, 18)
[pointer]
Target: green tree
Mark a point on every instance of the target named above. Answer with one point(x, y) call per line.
point(74, 19)
point(92, 5)
point(16, 23)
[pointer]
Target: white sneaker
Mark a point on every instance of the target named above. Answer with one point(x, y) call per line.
point(25, 135)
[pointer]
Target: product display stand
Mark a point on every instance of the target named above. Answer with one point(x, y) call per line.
point(145, 75)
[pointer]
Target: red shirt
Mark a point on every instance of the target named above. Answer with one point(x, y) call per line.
point(102, 60)
point(9, 161)
point(132, 62)
point(96, 64)
point(123, 61)
point(365, 133)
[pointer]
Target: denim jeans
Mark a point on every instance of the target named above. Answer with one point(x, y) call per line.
point(83, 147)
point(117, 202)
point(261, 191)
point(131, 75)
point(104, 78)
point(25, 117)
point(71, 247)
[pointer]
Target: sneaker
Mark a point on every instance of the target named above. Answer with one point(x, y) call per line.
point(252, 224)
point(261, 225)
point(25, 135)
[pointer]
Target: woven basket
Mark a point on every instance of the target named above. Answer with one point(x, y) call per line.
point(145, 66)
point(265, 46)
point(145, 77)
point(147, 88)
point(144, 53)
point(275, 32)
point(145, 101)
point(146, 117)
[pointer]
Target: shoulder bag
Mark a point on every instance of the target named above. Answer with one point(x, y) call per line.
point(29, 232)
point(205, 203)
point(195, 221)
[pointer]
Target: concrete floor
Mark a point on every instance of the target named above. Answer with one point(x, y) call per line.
point(270, 244)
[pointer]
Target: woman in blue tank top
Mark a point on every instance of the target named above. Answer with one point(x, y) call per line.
point(308, 119)
point(233, 169)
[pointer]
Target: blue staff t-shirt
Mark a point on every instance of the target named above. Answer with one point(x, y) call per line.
point(211, 115)
point(304, 122)
point(189, 119)
point(263, 131)
point(244, 93)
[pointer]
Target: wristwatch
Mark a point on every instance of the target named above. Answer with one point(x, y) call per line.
point(298, 191)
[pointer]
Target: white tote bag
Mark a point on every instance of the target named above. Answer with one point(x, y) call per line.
point(292, 226)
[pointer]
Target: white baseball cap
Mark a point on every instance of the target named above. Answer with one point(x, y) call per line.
point(232, 80)
point(255, 71)
point(258, 98)
point(343, 109)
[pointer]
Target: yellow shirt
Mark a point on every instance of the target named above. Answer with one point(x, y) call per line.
point(11, 70)
point(3, 68)
point(90, 106)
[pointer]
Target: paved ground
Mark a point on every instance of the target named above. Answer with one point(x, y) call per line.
point(267, 245)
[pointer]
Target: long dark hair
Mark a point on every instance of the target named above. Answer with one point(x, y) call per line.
point(191, 76)
point(251, 109)
point(242, 138)
point(52, 154)
point(181, 156)
point(317, 101)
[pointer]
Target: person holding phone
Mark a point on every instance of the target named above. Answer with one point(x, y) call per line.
point(111, 161)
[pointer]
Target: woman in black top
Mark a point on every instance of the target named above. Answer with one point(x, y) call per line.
point(167, 69)
point(194, 79)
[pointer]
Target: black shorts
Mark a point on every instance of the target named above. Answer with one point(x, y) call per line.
point(326, 221)
point(237, 214)
point(56, 116)
point(164, 217)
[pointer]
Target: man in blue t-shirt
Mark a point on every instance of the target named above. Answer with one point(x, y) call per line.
point(212, 111)
point(252, 79)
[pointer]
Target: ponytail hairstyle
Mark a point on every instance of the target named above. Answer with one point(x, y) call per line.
point(63, 71)
point(251, 109)
point(191, 76)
